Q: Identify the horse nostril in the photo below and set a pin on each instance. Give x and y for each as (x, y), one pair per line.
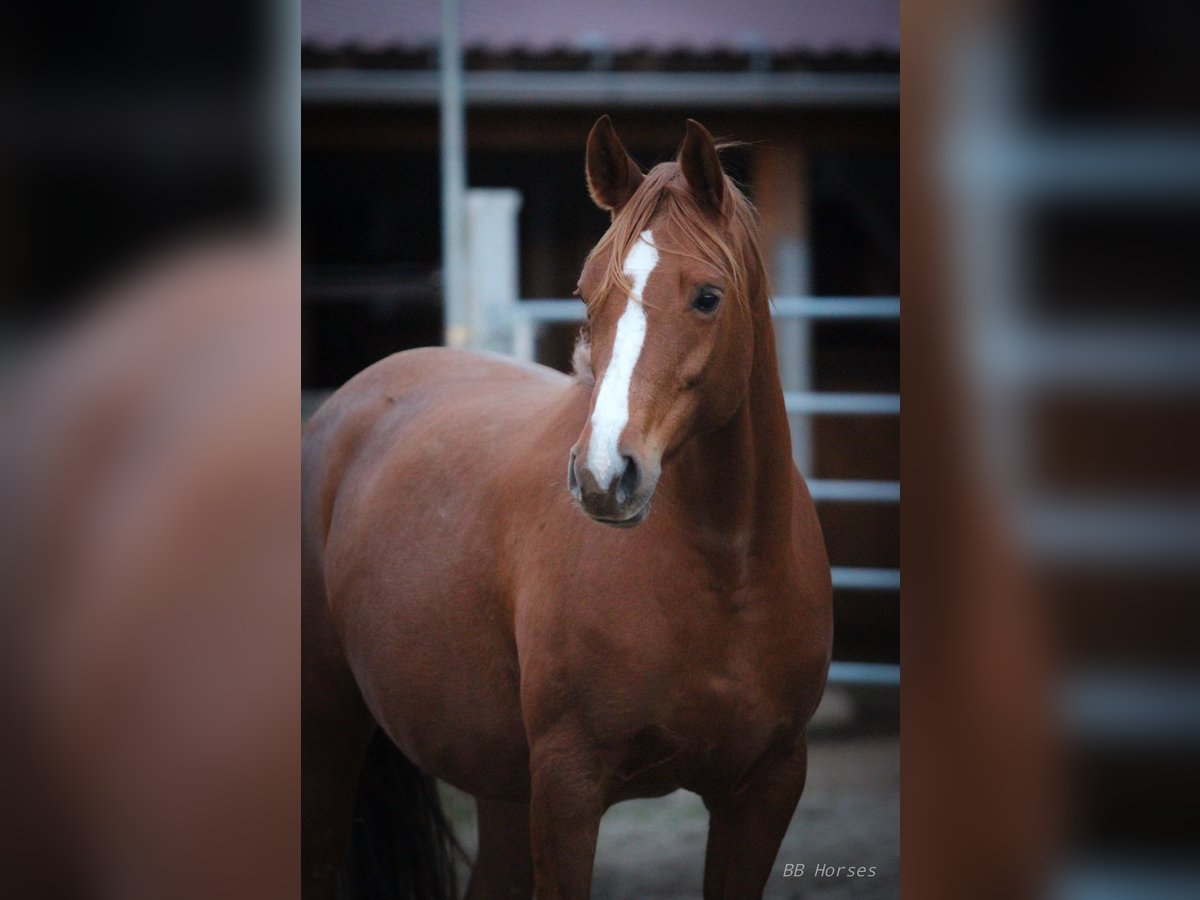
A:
(572, 481)
(628, 484)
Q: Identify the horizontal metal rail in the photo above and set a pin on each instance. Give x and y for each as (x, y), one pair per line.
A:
(1031, 355)
(865, 579)
(828, 403)
(836, 307)
(743, 90)
(1129, 707)
(1113, 533)
(837, 491)
(571, 310)
(848, 308)
(1065, 164)
(862, 674)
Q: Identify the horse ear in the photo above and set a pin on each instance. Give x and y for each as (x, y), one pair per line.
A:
(612, 176)
(702, 167)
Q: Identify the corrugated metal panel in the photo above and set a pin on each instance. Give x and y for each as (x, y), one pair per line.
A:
(825, 26)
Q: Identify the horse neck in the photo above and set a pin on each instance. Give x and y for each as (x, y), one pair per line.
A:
(735, 483)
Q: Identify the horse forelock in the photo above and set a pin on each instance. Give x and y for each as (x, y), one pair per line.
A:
(684, 229)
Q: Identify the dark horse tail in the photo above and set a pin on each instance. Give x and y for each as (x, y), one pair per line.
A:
(401, 846)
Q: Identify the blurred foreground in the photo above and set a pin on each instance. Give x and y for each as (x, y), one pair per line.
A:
(1051, 377)
(150, 635)
(149, 360)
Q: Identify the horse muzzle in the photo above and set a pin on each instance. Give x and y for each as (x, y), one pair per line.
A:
(625, 501)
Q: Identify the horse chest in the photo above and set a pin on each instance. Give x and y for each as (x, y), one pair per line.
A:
(681, 687)
(711, 744)
(707, 729)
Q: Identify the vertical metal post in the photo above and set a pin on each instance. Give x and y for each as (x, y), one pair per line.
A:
(454, 179)
(781, 173)
(493, 259)
(286, 102)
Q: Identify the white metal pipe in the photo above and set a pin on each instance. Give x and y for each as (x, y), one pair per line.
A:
(848, 308)
(288, 90)
(864, 674)
(836, 307)
(524, 339)
(493, 280)
(550, 310)
(828, 403)
(832, 490)
(454, 178)
(865, 579)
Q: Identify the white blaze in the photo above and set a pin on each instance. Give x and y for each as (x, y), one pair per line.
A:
(612, 400)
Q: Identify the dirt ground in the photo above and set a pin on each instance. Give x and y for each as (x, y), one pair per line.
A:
(849, 816)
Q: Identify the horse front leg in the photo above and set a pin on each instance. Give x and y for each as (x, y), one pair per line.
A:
(566, 804)
(504, 869)
(746, 829)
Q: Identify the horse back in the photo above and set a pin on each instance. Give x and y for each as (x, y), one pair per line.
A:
(438, 396)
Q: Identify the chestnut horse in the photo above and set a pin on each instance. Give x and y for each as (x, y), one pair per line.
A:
(475, 585)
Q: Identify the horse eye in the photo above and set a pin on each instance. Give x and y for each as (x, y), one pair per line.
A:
(706, 301)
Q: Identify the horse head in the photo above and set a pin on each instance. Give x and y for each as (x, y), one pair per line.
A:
(670, 291)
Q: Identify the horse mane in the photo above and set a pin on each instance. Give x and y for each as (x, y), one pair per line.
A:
(665, 193)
